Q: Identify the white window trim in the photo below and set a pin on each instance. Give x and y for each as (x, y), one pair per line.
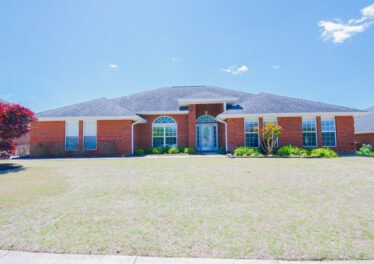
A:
(258, 134)
(90, 121)
(66, 122)
(316, 133)
(336, 143)
(165, 125)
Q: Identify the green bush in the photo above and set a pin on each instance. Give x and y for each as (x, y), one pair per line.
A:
(221, 151)
(324, 153)
(156, 151)
(165, 150)
(189, 150)
(149, 150)
(181, 150)
(245, 151)
(140, 152)
(173, 151)
(372, 154)
(366, 149)
(289, 150)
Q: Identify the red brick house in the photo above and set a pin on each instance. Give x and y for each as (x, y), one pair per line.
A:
(201, 117)
(364, 128)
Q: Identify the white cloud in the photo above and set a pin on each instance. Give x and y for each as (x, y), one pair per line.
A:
(235, 70)
(338, 31)
(114, 66)
(174, 59)
(275, 67)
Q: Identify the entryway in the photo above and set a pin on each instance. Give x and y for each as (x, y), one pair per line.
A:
(206, 137)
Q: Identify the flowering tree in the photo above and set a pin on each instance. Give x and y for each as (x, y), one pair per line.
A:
(14, 122)
(271, 132)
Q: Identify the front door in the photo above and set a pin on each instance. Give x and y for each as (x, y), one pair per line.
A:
(206, 137)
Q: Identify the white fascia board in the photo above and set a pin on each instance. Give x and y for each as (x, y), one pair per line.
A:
(184, 102)
(68, 118)
(356, 114)
(163, 113)
(366, 132)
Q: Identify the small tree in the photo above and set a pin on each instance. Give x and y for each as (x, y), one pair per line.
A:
(270, 133)
(14, 122)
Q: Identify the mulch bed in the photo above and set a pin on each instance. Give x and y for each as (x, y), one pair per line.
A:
(4, 167)
(273, 157)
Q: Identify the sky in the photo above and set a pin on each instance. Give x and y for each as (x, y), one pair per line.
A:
(57, 53)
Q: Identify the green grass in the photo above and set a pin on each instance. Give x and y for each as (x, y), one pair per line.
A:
(192, 207)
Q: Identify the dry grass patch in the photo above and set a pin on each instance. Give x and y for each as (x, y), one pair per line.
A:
(192, 207)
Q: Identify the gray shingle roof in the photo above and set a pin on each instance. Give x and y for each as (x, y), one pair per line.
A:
(165, 98)
(98, 107)
(365, 123)
(270, 103)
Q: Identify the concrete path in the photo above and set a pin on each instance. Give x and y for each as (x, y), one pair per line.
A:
(17, 257)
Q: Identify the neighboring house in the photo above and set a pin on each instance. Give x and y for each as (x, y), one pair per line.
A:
(364, 128)
(201, 117)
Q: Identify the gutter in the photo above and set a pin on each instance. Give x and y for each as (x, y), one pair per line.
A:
(140, 120)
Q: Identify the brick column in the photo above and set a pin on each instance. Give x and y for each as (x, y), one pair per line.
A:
(260, 126)
(81, 133)
(192, 126)
(319, 131)
(235, 133)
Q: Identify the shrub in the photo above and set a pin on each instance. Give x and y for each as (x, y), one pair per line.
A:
(189, 150)
(156, 151)
(245, 151)
(366, 149)
(165, 150)
(149, 150)
(140, 152)
(289, 150)
(173, 151)
(324, 153)
(181, 150)
(221, 151)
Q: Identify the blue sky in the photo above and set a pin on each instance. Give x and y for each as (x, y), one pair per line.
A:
(56, 53)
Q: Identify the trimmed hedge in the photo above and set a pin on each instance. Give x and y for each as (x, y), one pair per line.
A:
(245, 151)
(140, 152)
(166, 150)
(289, 150)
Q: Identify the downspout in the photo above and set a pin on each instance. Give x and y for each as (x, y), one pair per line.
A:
(218, 119)
(132, 134)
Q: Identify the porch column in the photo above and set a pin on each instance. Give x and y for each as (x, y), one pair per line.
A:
(192, 125)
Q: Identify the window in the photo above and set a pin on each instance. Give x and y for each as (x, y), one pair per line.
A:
(251, 134)
(274, 121)
(328, 132)
(205, 118)
(309, 132)
(183, 108)
(89, 135)
(164, 132)
(71, 135)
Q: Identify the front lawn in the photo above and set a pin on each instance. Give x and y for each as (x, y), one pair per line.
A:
(192, 207)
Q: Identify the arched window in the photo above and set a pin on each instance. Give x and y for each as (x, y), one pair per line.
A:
(205, 118)
(164, 132)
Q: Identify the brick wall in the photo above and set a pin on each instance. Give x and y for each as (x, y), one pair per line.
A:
(143, 132)
(345, 134)
(235, 133)
(113, 139)
(365, 138)
(48, 138)
(292, 132)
